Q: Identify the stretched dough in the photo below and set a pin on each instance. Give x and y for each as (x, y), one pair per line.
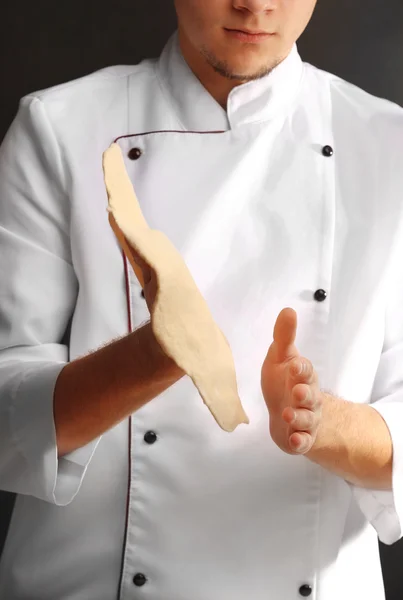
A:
(180, 318)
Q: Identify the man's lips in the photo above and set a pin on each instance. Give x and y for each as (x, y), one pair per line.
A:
(245, 35)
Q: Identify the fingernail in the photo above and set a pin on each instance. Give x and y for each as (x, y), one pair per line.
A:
(299, 447)
(296, 447)
(299, 368)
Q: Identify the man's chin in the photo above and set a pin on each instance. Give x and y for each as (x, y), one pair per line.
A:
(242, 70)
(244, 74)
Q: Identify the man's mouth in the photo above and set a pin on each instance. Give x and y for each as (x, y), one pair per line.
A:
(249, 36)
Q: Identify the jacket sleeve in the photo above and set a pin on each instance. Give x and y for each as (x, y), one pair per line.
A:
(38, 290)
(384, 509)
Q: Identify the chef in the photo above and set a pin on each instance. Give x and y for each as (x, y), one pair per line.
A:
(281, 186)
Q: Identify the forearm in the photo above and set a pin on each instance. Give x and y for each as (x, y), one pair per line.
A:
(98, 391)
(354, 442)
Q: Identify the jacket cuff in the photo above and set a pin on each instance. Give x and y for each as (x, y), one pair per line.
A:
(383, 508)
(33, 430)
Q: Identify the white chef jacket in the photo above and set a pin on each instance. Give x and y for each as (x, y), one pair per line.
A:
(264, 218)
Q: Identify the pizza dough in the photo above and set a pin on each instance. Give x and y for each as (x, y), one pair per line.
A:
(180, 318)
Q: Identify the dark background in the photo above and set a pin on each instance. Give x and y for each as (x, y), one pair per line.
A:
(44, 43)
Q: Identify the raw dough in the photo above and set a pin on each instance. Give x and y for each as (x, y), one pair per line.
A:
(180, 318)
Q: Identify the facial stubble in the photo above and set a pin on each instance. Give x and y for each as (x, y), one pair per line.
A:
(223, 68)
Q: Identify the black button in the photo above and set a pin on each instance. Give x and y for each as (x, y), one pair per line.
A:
(142, 294)
(134, 153)
(139, 579)
(150, 437)
(320, 295)
(327, 151)
(305, 590)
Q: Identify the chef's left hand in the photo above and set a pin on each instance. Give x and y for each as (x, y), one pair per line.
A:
(293, 399)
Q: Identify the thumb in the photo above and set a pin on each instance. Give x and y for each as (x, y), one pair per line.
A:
(284, 334)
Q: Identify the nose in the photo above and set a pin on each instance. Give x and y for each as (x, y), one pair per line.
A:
(255, 6)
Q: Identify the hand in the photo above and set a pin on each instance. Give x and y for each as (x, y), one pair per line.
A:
(293, 398)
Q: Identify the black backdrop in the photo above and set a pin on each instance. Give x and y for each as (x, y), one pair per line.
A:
(44, 43)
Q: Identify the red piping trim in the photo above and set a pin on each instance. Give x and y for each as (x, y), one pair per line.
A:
(129, 325)
(122, 137)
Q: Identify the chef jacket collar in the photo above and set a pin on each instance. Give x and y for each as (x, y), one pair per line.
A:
(251, 102)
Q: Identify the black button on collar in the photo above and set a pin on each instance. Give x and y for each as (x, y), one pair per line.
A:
(327, 151)
(320, 295)
(150, 437)
(305, 590)
(134, 153)
(139, 579)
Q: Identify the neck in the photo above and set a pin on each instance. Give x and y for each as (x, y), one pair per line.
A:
(219, 87)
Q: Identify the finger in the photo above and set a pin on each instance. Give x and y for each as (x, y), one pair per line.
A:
(300, 419)
(311, 400)
(300, 442)
(301, 371)
(284, 335)
(305, 396)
